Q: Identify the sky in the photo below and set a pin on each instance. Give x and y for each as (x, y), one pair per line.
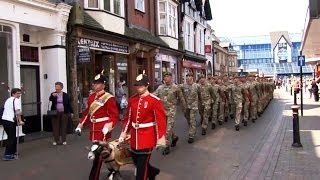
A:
(234, 18)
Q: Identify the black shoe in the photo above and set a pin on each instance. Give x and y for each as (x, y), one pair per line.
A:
(237, 127)
(190, 140)
(155, 172)
(245, 123)
(254, 120)
(203, 132)
(226, 119)
(174, 141)
(232, 116)
(220, 122)
(259, 114)
(166, 151)
(213, 126)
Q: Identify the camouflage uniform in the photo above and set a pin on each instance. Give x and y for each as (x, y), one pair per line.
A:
(190, 93)
(215, 103)
(254, 101)
(222, 103)
(238, 100)
(169, 95)
(246, 104)
(232, 101)
(205, 101)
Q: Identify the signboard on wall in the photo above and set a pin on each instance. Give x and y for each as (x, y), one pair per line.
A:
(103, 46)
(282, 51)
(84, 55)
(207, 49)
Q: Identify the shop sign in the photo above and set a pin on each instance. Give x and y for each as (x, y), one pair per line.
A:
(207, 48)
(84, 55)
(103, 46)
(282, 51)
(192, 64)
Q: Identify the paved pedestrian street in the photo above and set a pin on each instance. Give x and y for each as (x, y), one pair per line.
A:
(262, 150)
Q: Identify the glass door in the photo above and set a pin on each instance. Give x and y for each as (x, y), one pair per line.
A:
(30, 98)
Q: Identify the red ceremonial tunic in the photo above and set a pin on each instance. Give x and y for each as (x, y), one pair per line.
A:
(108, 110)
(142, 110)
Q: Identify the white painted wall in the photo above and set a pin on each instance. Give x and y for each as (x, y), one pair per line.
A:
(172, 42)
(109, 22)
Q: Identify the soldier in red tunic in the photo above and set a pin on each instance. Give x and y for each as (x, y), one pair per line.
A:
(102, 112)
(145, 121)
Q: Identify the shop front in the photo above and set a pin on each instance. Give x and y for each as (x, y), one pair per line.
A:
(165, 63)
(96, 55)
(196, 68)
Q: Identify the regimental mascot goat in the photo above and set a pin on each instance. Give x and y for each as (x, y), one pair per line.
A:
(113, 154)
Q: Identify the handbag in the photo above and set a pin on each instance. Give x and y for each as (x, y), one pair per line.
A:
(123, 103)
(51, 112)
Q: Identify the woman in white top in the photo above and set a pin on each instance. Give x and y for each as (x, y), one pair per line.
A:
(12, 108)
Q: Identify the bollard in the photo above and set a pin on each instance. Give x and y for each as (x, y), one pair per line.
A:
(296, 131)
(294, 98)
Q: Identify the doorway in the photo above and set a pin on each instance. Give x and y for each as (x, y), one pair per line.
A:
(30, 99)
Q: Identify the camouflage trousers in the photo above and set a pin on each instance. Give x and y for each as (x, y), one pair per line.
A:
(238, 113)
(260, 104)
(246, 106)
(204, 111)
(253, 108)
(171, 119)
(221, 111)
(214, 112)
(232, 108)
(190, 115)
(226, 109)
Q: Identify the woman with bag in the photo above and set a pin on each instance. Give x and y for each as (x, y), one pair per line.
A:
(60, 111)
(121, 99)
(10, 118)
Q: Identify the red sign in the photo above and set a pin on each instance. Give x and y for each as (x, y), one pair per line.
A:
(207, 48)
(192, 64)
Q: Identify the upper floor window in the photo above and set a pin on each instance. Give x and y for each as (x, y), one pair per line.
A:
(93, 3)
(139, 5)
(200, 41)
(188, 36)
(168, 19)
(112, 6)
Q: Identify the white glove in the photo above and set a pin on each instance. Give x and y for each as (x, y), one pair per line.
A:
(121, 139)
(78, 130)
(105, 130)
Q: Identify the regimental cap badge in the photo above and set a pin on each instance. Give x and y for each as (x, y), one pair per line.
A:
(142, 80)
(100, 78)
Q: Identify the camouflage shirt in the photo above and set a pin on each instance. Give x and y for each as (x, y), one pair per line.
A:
(190, 93)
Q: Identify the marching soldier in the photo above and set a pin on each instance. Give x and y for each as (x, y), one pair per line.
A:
(190, 92)
(246, 98)
(238, 100)
(254, 100)
(223, 100)
(102, 114)
(170, 95)
(205, 101)
(145, 120)
(102, 111)
(215, 103)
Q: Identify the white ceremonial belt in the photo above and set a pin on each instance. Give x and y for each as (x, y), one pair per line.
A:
(143, 125)
(100, 119)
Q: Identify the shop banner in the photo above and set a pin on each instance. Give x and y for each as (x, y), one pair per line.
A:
(103, 46)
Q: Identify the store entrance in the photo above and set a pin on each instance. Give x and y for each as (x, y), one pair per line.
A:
(30, 98)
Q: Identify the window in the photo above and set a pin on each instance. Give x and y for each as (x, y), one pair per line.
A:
(168, 19)
(200, 41)
(107, 5)
(188, 36)
(139, 5)
(93, 4)
(117, 7)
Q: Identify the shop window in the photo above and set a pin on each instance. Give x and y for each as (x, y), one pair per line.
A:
(29, 54)
(166, 66)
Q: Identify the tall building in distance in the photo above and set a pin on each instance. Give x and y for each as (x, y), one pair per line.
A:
(275, 54)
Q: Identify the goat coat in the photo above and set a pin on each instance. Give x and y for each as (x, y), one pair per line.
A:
(107, 109)
(143, 110)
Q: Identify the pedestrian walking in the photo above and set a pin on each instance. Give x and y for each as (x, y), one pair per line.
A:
(145, 122)
(120, 96)
(62, 105)
(10, 118)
